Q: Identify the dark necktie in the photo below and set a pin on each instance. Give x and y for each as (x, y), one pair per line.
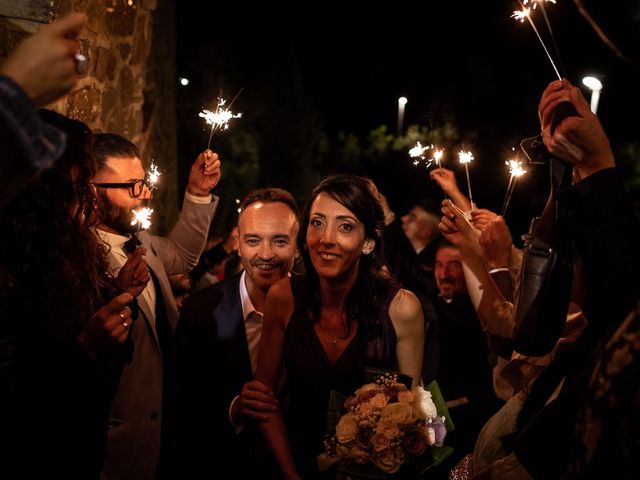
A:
(131, 244)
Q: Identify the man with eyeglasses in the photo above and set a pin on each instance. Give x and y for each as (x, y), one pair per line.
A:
(136, 420)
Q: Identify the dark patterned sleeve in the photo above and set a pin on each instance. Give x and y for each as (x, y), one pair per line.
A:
(27, 144)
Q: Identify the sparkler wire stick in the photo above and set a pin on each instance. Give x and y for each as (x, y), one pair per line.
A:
(466, 168)
(525, 13)
(507, 199)
(553, 38)
(465, 158)
(516, 170)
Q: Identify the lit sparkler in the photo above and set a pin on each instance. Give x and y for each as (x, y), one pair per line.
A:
(219, 120)
(419, 153)
(437, 156)
(142, 217)
(153, 176)
(466, 158)
(516, 171)
(520, 15)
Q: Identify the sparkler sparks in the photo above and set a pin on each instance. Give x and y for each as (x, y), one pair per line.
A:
(516, 171)
(153, 176)
(418, 152)
(219, 120)
(141, 218)
(520, 15)
(534, 3)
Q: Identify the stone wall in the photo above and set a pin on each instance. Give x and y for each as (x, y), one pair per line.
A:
(129, 84)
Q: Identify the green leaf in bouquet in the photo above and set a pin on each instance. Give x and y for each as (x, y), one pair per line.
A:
(334, 411)
(432, 457)
(371, 374)
(441, 405)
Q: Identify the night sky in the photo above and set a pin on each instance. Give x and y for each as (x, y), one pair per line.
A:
(314, 72)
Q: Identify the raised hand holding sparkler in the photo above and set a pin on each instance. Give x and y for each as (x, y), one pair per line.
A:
(516, 171)
(205, 174)
(446, 179)
(134, 276)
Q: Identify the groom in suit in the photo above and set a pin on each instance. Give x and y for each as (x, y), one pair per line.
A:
(218, 406)
(136, 420)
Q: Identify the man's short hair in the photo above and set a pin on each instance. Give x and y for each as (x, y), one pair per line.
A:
(270, 195)
(432, 209)
(104, 145)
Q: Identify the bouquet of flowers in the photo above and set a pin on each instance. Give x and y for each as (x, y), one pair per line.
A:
(386, 426)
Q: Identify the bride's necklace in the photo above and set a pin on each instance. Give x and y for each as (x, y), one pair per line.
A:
(333, 338)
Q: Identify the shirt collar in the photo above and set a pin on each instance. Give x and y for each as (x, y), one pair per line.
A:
(114, 240)
(245, 300)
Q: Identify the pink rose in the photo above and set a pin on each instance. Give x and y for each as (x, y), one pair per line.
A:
(359, 454)
(389, 460)
(366, 396)
(379, 442)
(398, 413)
(393, 390)
(366, 388)
(347, 428)
(388, 429)
(415, 441)
(379, 400)
(365, 409)
(405, 396)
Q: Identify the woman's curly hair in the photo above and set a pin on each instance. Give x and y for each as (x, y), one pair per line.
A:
(52, 267)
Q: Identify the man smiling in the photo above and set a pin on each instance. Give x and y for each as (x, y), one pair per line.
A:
(217, 339)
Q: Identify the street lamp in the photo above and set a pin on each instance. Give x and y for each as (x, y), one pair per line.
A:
(595, 85)
(402, 101)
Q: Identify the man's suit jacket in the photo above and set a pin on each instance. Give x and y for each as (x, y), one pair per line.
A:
(212, 363)
(133, 447)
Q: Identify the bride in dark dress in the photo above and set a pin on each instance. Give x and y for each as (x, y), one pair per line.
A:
(326, 326)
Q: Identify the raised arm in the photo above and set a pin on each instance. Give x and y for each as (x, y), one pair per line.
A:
(494, 311)
(578, 139)
(447, 181)
(406, 315)
(277, 312)
(180, 251)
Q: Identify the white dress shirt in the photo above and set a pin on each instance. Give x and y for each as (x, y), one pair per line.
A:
(252, 323)
(116, 243)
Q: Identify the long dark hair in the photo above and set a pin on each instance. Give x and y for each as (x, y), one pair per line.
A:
(363, 302)
(52, 267)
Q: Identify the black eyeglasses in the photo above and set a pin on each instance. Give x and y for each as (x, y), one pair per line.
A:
(136, 187)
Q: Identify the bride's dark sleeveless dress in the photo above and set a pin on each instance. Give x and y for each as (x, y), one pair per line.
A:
(312, 377)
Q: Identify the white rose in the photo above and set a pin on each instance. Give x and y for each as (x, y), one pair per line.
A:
(423, 403)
